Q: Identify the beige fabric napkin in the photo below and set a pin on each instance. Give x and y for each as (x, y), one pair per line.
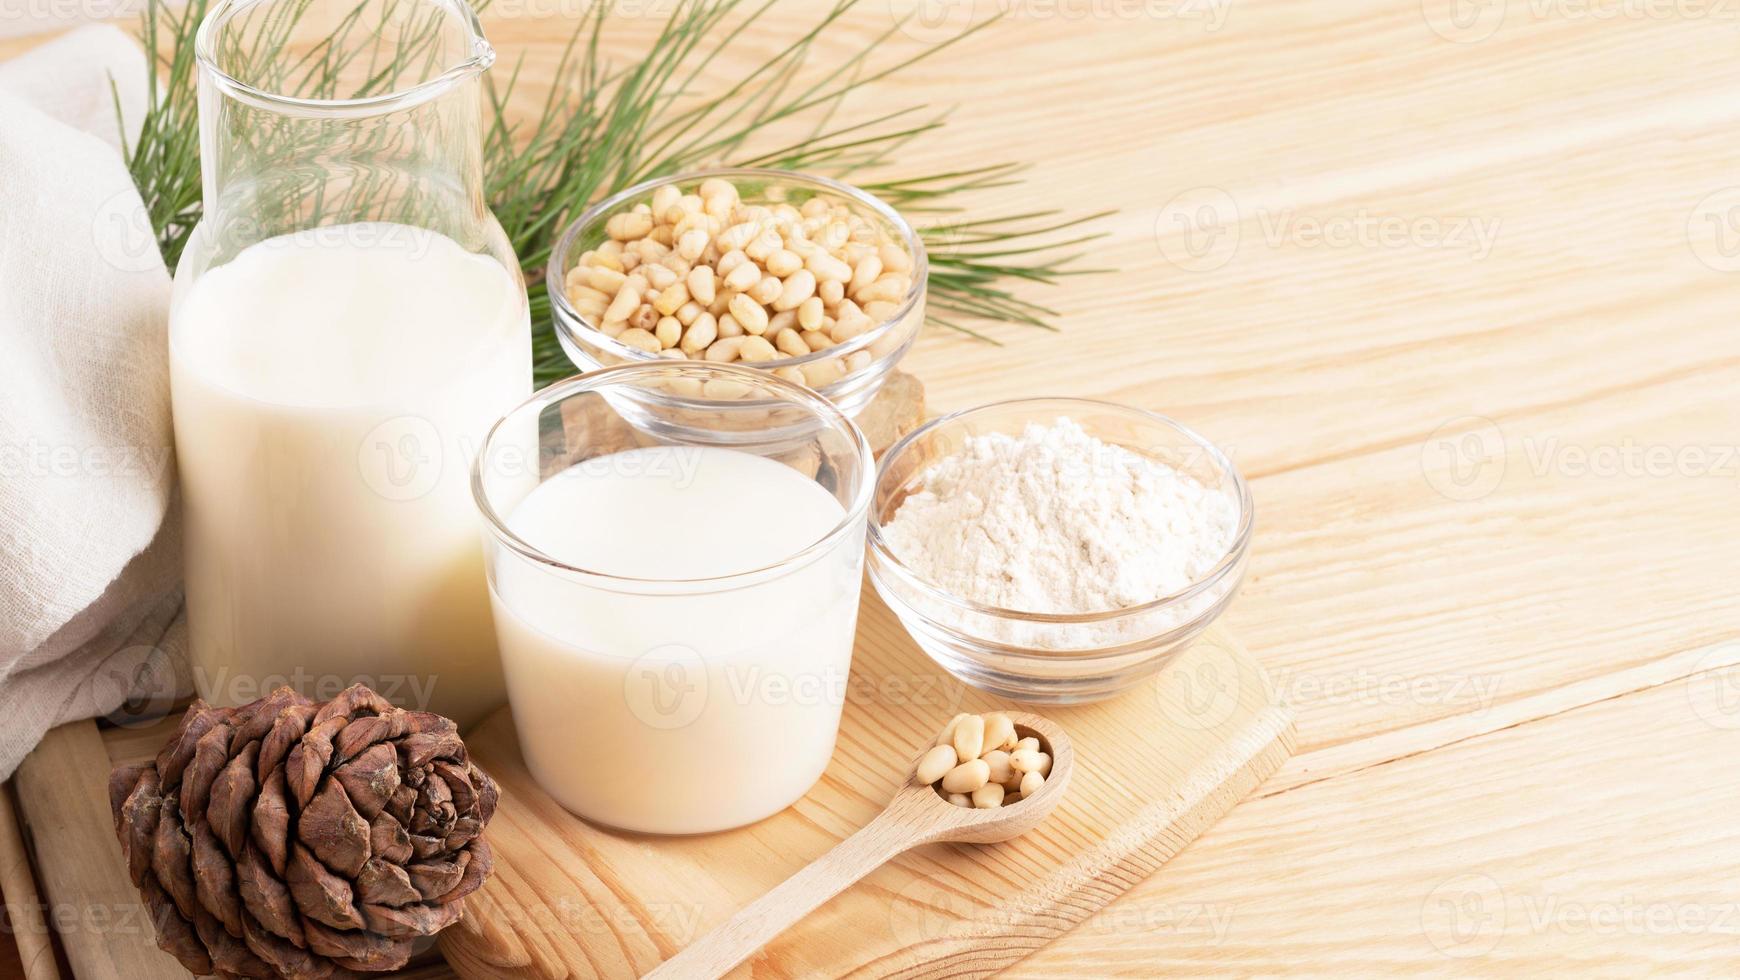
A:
(89, 563)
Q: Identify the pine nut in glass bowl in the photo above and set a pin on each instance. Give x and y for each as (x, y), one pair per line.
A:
(1050, 657)
(806, 277)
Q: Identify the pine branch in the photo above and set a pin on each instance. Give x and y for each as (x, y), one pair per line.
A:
(603, 127)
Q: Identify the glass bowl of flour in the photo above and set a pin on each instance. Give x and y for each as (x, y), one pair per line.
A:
(1057, 550)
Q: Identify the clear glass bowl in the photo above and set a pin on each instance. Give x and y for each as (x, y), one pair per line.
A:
(886, 342)
(1044, 658)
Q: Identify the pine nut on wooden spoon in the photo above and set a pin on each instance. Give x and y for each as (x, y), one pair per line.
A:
(917, 815)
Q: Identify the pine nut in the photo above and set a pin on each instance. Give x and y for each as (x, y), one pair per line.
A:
(640, 339)
(810, 313)
(865, 273)
(673, 297)
(744, 276)
(691, 244)
(756, 350)
(798, 288)
(966, 777)
(713, 267)
(988, 796)
(827, 267)
(586, 295)
(1027, 760)
(824, 373)
(767, 290)
(847, 328)
(1029, 743)
(623, 305)
(725, 351)
(783, 262)
(739, 235)
(999, 731)
(947, 735)
(884, 290)
(700, 284)
(961, 800)
(748, 312)
(894, 258)
(629, 226)
(881, 311)
(1001, 771)
(702, 332)
(1031, 783)
(729, 262)
(935, 764)
(969, 737)
(790, 343)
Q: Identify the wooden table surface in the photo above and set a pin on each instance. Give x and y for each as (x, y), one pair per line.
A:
(1456, 285)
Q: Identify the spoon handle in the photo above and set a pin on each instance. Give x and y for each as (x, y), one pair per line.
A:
(756, 925)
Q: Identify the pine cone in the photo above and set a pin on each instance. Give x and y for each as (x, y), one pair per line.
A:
(291, 839)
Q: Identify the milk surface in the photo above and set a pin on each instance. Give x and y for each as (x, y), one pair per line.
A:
(665, 707)
(329, 390)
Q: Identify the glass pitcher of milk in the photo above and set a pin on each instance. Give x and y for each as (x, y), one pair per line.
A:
(348, 319)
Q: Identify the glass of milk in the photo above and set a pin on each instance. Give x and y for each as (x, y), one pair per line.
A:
(348, 319)
(675, 610)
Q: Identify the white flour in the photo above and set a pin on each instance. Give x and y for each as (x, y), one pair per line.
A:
(1057, 521)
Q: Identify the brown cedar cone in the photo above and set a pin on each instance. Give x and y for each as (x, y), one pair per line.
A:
(302, 840)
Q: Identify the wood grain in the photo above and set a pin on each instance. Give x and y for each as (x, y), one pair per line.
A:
(63, 789)
(27, 928)
(1155, 767)
(1495, 682)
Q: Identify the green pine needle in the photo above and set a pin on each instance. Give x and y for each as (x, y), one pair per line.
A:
(604, 127)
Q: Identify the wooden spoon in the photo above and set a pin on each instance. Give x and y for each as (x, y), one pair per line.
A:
(917, 815)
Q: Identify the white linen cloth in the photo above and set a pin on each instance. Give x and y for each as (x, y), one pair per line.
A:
(89, 554)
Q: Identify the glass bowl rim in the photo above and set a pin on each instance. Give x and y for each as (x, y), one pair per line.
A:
(1228, 562)
(555, 285)
(593, 381)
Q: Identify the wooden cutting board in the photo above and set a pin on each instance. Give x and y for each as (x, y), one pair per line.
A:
(1155, 768)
